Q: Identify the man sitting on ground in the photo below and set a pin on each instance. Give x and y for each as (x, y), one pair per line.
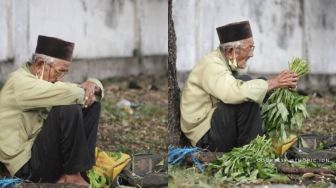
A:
(220, 109)
(49, 127)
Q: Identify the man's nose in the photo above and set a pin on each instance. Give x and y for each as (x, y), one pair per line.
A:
(251, 53)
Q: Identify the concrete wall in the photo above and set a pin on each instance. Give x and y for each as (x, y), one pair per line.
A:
(281, 29)
(108, 33)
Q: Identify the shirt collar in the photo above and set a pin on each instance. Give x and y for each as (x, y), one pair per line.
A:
(233, 67)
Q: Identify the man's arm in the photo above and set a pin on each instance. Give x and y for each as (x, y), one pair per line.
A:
(285, 79)
(94, 91)
(218, 81)
(34, 93)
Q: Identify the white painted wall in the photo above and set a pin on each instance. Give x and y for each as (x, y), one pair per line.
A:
(154, 27)
(281, 29)
(320, 31)
(99, 28)
(6, 50)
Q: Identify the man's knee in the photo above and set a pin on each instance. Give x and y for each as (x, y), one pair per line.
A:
(248, 105)
(92, 110)
(65, 111)
(263, 78)
(96, 106)
(223, 106)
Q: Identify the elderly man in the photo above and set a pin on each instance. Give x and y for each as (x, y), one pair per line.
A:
(48, 127)
(220, 109)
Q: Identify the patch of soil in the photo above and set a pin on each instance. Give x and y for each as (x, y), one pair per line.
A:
(322, 112)
(134, 120)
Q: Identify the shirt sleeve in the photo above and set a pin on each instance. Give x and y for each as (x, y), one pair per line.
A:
(219, 82)
(100, 85)
(33, 93)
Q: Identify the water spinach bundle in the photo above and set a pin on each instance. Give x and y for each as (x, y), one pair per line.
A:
(285, 109)
(245, 164)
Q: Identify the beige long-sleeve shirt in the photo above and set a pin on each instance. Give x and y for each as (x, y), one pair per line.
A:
(209, 82)
(24, 104)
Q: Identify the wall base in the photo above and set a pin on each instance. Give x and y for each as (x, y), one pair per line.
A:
(105, 67)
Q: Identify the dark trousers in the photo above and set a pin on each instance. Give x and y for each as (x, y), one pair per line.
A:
(65, 145)
(232, 125)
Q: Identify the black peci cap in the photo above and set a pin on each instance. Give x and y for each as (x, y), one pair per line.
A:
(54, 47)
(234, 32)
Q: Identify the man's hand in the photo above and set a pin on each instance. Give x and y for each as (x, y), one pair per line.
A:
(286, 79)
(90, 89)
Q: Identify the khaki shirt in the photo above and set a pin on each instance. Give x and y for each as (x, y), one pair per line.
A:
(24, 104)
(209, 82)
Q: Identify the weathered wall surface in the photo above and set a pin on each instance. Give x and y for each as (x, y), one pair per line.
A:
(108, 34)
(281, 29)
(320, 35)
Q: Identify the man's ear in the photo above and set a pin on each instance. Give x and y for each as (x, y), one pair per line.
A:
(229, 53)
(38, 64)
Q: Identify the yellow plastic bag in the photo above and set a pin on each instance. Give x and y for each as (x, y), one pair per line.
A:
(110, 164)
(283, 146)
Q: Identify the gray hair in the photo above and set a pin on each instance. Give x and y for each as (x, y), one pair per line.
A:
(47, 59)
(234, 45)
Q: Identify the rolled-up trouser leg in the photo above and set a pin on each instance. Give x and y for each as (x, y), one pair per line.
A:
(65, 144)
(232, 126)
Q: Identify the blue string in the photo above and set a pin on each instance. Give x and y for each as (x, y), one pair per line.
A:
(176, 155)
(5, 182)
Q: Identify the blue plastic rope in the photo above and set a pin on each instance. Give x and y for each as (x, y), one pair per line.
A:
(176, 155)
(9, 182)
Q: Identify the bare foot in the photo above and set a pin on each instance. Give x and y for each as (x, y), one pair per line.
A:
(61, 179)
(73, 178)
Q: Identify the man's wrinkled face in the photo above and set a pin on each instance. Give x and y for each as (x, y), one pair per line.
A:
(53, 72)
(244, 52)
(58, 70)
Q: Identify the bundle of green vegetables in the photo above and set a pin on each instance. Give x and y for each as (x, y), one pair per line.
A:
(247, 163)
(285, 109)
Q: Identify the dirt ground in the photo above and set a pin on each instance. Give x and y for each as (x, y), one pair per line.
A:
(134, 115)
(322, 111)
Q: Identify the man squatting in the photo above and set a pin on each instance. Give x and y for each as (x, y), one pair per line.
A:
(219, 108)
(49, 127)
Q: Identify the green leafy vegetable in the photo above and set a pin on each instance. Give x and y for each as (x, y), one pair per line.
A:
(247, 163)
(285, 110)
(97, 180)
